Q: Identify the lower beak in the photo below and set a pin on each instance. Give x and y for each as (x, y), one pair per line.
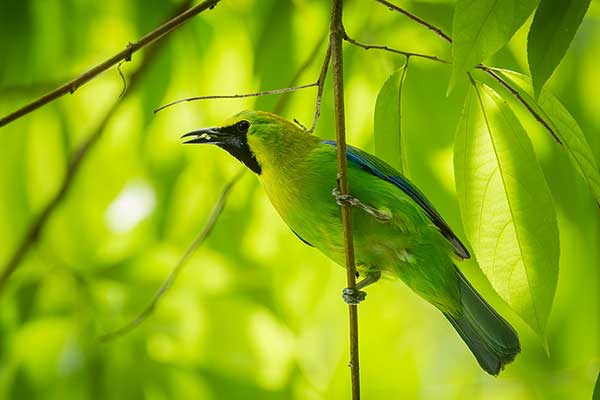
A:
(204, 136)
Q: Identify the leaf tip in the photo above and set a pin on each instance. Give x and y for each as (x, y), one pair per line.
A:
(545, 344)
(451, 84)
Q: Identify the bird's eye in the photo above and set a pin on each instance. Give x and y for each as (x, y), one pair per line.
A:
(243, 126)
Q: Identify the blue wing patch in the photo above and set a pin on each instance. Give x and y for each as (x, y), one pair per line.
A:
(301, 238)
(386, 172)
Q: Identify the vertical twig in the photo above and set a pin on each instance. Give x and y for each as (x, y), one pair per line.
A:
(336, 37)
(321, 86)
(283, 100)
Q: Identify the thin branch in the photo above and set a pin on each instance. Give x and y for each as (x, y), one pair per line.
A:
(124, 54)
(336, 37)
(392, 50)
(520, 98)
(221, 202)
(238, 96)
(483, 67)
(280, 105)
(206, 231)
(32, 234)
(320, 86)
(417, 19)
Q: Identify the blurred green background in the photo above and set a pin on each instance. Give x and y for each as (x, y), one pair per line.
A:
(256, 313)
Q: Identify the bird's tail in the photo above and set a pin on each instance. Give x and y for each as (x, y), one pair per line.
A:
(491, 339)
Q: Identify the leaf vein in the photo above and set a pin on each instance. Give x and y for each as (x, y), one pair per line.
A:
(510, 205)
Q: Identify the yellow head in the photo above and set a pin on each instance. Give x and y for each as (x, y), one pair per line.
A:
(258, 139)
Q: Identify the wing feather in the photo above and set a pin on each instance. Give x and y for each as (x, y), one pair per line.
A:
(386, 172)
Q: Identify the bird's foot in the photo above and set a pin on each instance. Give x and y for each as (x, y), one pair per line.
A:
(343, 199)
(349, 200)
(353, 296)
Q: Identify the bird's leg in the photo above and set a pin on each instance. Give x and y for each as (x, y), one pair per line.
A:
(346, 199)
(354, 295)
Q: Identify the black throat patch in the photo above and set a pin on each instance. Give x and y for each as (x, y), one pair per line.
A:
(237, 146)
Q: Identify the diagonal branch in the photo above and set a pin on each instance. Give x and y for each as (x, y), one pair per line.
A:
(28, 89)
(320, 87)
(218, 208)
(417, 19)
(237, 96)
(35, 229)
(407, 54)
(319, 83)
(124, 54)
(337, 63)
(206, 231)
(514, 92)
(483, 67)
(282, 103)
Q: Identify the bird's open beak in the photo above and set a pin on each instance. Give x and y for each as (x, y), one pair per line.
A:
(206, 136)
(229, 138)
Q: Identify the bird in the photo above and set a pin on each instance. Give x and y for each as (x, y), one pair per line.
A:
(397, 232)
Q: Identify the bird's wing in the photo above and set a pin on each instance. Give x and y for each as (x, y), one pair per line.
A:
(386, 172)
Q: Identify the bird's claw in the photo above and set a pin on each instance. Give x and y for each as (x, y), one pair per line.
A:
(349, 200)
(353, 296)
(343, 199)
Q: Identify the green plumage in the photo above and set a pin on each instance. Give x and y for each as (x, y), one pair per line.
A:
(298, 172)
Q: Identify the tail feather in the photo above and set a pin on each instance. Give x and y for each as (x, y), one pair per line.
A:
(491, 339)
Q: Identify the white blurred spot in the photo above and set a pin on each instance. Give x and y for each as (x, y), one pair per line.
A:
(135, 202)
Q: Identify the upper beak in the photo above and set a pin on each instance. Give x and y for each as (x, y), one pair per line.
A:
(205, 136)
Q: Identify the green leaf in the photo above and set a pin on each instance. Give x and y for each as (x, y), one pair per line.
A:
(506, 206)
(564, 126)
(482, 27)
(389, 141)
(551, 33)
(596, 394)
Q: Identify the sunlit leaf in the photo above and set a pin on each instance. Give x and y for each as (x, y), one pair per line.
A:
(389, 141)
(565, 127)
(506, 206)
(482, 27)
(551, 33)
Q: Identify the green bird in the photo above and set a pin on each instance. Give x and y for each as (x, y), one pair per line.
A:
(396, 230)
